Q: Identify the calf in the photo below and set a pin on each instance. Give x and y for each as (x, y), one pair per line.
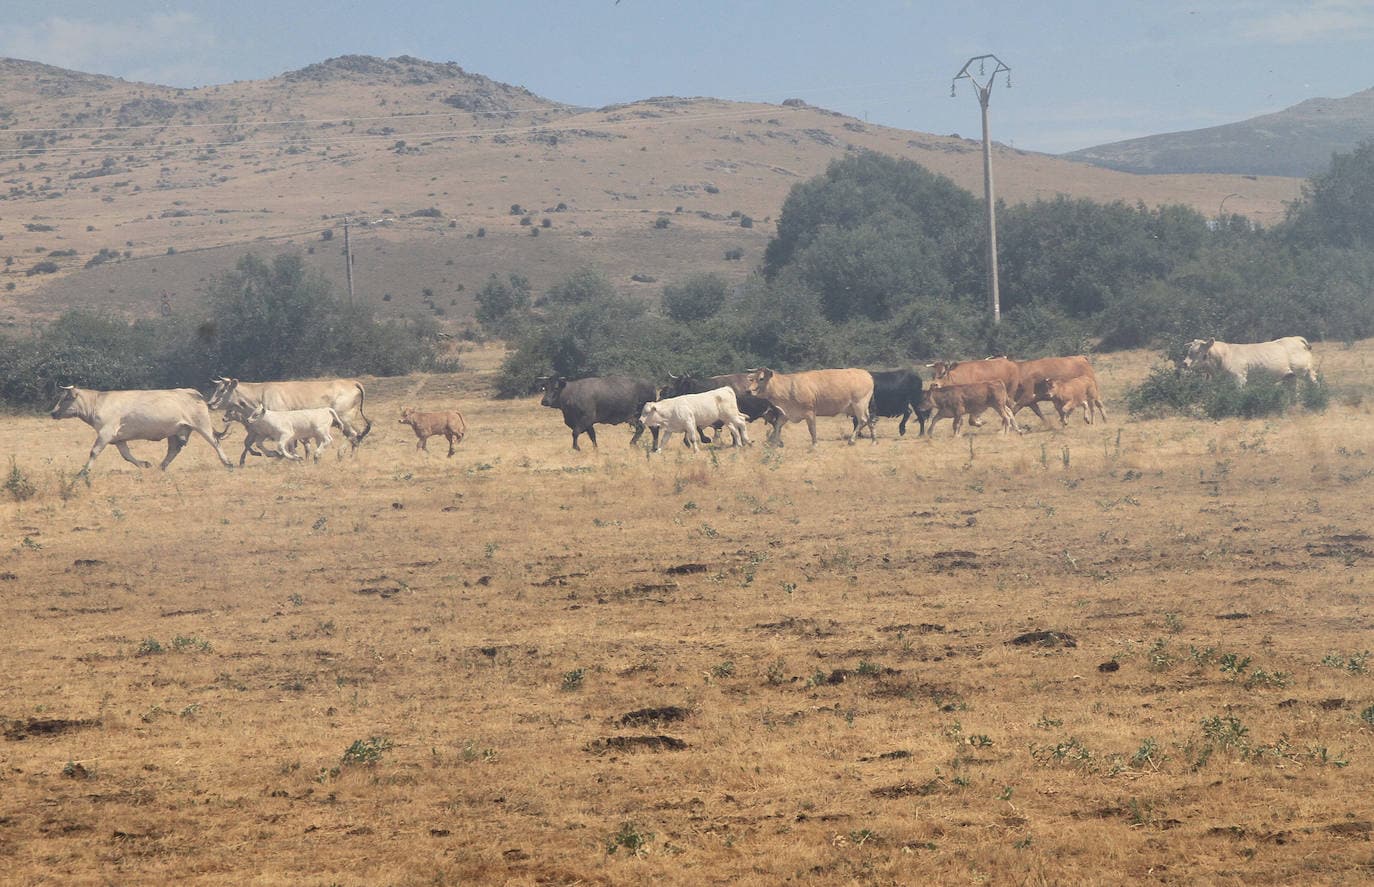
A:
(958, 401)
(1068, 394)
(688, 413)
(449, 423)
(750, 406)
(286, 428)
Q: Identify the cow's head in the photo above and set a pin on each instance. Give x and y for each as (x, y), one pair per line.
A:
(678, 385)
(940, 368)
(553, 390)
(406, 414)
(68, 405)
(224, 390)
(927, 402)
(1199, 350)
(758, 381)
(651, 415)
(1046, 388)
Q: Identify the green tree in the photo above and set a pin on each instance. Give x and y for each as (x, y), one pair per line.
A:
(696, 298)
(502, 303)
(1337, 205)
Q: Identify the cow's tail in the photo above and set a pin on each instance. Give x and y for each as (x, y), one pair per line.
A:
(1305, 343)
(367, 423)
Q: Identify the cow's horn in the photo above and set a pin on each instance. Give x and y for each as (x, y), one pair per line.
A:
(68, 387)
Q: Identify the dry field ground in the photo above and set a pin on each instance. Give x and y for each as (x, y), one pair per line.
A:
(404, 669)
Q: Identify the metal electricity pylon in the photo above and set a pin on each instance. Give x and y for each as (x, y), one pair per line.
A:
(984, 91)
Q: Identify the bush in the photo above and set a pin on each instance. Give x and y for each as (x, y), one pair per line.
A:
(1167, 391)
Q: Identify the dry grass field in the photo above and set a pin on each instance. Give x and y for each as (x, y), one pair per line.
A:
(404, 669)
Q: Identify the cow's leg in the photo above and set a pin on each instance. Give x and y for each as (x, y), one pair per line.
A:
(287, 447)
(959, 422)
(638, 426)
(901, 426)
(690, 435)
(321, 442)
(423, 442)
(811, 426)
(1102, 413)
(174, 445)
(123, 448)
(452, 441)
(100, 444)
(591, 434)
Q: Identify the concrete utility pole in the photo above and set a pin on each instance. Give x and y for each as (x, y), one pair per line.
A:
(348, 262)
(984, 91)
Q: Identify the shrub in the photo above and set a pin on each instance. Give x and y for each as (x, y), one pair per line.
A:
(1169, 391)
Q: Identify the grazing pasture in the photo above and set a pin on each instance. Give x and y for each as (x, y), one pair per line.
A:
(1132, 651)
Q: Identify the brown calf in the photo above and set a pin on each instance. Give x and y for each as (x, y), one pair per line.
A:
(449, 423)
(1068, 394)
(958, 401)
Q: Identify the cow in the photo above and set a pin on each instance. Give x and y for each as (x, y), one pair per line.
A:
(688, 413)
(1032, 372)
(1067, 395)
(121, 416)
(286, 428)
(751, 406)
(969, 399)
(804, 396)
(344, 396)
(1286, 357)
(599, 400)
(449, 423)
(898, 393)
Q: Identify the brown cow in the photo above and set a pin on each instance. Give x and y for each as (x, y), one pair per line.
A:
(804, 396)
(958, 401)
(1067, 395)
(449, 423)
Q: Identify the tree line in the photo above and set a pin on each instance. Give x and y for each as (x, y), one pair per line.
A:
(262, 320)
(880, 262)
(877, 261)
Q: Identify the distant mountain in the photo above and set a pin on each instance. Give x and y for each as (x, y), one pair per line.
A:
(114, 192)
(1296, 141)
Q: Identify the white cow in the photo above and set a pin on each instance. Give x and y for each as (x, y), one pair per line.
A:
(344, 396)
(1286, 357)
(121, 416)
(689, 412)
(286, 428)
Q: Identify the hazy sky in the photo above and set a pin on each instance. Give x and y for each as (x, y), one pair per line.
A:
(1082, 72)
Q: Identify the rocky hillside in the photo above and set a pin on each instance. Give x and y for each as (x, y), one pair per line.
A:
(112, 193)
(1296, 141)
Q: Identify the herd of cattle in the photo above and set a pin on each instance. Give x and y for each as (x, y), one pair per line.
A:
(303, 413)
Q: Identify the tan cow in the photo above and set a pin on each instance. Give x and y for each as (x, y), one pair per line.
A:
(343, 396)
(957, 401)
(122, 416)
(1068, 395)
(804, 396)
(449, 423)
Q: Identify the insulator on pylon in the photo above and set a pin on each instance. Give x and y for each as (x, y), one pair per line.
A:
(951, 90)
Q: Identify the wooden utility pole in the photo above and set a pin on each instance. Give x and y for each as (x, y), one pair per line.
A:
(984, 91)
(348, 262)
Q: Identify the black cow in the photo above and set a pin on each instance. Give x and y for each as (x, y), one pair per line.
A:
(604, 400)
(751, 405)
(897, 393)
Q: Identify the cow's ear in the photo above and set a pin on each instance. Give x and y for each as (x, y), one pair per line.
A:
(562, 383)
(766, 373)
(1211, 341)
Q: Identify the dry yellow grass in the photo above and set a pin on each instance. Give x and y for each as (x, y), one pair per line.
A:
(854, 711)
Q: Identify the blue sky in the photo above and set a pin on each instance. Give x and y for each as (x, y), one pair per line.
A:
(1083, 73)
